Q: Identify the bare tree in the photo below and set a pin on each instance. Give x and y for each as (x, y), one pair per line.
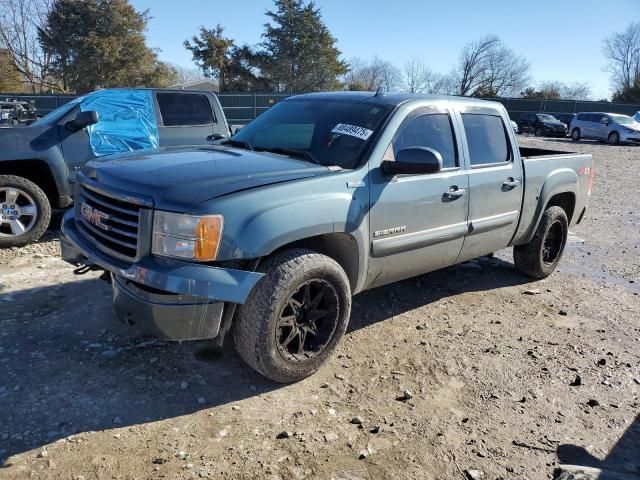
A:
(417, 76)
(622, 49)
(372, 74)
(186, 74)
(576, 91)
(487, 67)
(20, 21)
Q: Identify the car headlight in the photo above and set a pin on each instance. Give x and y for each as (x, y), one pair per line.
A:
(195, 237)
(629, 130)
(4, 116)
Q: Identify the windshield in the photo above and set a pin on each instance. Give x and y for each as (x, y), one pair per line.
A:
(55, 115)
(327, 132)
(622, 119)
(547, 118)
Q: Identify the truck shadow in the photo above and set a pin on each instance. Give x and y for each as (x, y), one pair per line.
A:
(68, 367)
(624, 457)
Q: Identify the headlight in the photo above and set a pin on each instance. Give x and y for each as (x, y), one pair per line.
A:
(629, 130)
(195, 237)
(4, 116)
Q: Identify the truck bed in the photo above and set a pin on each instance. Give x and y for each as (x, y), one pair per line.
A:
(545, 172)
(531, 152)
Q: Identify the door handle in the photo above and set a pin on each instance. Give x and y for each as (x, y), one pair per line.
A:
(454, 192)
(511, 183)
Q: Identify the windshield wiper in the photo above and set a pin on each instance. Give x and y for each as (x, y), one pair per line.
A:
(292, 152)
(237, 144)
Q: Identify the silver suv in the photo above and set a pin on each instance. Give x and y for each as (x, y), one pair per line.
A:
(610, 127)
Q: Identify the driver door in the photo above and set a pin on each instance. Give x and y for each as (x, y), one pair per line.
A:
(418, 222)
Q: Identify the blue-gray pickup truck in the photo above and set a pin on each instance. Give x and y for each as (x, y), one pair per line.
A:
(39, 162)
(269, 234)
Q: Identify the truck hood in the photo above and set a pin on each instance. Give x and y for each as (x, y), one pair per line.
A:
(23, 141)
(179, 178)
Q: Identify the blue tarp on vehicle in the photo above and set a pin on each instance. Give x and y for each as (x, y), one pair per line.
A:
(127, 121)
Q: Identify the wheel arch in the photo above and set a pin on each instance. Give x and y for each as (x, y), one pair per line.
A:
(37, 171)
(339, 246)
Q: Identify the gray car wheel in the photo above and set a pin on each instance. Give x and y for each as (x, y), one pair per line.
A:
(614, 138)
(575, 134)
(25, 211)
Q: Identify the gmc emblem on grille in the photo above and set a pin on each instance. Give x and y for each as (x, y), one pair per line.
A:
(94, 216)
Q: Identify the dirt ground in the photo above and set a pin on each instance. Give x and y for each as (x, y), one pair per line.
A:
(508, 377)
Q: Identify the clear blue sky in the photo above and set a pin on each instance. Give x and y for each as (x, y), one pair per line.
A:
(562, 39)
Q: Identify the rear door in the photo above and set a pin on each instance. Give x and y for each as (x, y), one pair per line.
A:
(495, 181)
(185, 118)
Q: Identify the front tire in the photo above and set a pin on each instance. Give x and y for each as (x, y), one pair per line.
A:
(295, 316)
(614, 138)
(538, 132)
(575, 134)
(25, 211)
(539, 257)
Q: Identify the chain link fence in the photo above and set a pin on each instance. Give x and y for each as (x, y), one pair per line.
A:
(240, 108)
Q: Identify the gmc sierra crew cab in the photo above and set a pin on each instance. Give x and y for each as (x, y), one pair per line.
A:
(39, 162)
(269, 234)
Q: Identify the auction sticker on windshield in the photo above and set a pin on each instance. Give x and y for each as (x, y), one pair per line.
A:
(352, 130)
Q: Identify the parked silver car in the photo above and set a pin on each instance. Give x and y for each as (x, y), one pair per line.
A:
(610, 127)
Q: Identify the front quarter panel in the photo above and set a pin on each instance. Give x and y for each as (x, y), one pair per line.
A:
(259, 221)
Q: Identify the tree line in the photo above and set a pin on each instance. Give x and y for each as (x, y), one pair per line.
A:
(78, 46)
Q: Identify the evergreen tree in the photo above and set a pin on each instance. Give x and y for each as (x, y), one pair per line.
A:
(298, 52)
(100, 43)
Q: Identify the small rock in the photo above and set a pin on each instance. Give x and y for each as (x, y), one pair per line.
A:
(159, 461)
(593, 402)
(116, 435)
(473, 474)
(577, 381)
(363, 454)
(375, 429)
(533, 291)
(406, 395)
(339, 376)
(357, 420)
(189, 466)
(637, 380)
(324, 385)
(602, 362)
(420, 327)
(563, 313)
(236, 408)
(42, 454)
(284, 434)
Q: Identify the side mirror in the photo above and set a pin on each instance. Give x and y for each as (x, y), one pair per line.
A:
(215, 136)
(82, 120)
(413, 161)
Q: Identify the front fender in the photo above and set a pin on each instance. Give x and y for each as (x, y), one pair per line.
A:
(259, 221)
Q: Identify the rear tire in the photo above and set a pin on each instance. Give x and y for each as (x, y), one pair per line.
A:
(614, 138)
(32, 205)
(295, 316)
(539, 257)
(575, 134)
(538, 132)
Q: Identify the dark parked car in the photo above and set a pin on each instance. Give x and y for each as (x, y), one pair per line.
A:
(18, 113)
(39, 162)
(565, 118)
(542, 124)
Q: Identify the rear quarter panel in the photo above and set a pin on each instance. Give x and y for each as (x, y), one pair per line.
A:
(546, 176)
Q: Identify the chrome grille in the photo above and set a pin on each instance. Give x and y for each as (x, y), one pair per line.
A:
(112, 223)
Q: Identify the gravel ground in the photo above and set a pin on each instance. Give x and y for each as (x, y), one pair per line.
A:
(507, 377)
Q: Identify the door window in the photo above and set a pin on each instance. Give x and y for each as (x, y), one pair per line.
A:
(183, 109)
(486, 138)
(432, 130)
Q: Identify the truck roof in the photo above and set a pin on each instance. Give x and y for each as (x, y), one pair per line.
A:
(393, 99)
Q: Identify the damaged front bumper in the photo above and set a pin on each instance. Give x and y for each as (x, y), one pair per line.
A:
(177, 300)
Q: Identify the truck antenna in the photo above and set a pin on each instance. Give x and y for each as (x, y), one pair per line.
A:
(380, 92)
